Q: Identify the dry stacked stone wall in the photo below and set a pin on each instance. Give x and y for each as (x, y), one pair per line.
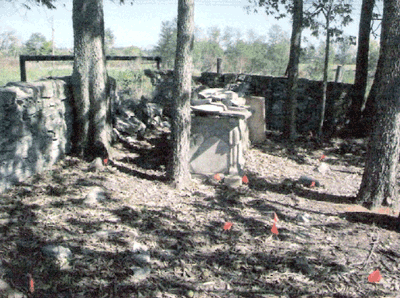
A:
(35, 127)
(274, 90)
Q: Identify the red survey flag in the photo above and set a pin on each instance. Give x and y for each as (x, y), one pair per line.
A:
(375, 276)
(274, 229)
(245, 180)
(217, 177)
(228, 226)
(31, 284)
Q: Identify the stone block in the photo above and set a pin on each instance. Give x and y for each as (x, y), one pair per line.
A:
(209, 156)
(256, 121)
(217, 144)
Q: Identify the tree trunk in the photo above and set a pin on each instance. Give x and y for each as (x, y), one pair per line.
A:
(361, 76)
(289, 130)
(325, 79)
(379, 186)
(182, 91)
(92, 104)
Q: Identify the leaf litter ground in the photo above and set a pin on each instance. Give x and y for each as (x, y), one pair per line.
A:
(146, 239)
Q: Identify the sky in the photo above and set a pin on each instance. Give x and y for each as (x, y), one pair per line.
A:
(139, 24)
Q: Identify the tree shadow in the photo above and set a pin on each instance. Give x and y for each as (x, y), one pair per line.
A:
(146, 159)
(383, 221)
(291, 186)
(348, 152)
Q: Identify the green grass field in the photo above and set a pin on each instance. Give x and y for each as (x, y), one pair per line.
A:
(129, 75)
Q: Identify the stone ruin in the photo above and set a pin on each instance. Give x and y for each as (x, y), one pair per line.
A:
(220, 130)
(36, 119)
(232, 110)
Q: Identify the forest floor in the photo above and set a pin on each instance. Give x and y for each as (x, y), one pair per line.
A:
(146, 239)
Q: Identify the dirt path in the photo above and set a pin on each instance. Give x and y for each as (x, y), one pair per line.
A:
(144, 239)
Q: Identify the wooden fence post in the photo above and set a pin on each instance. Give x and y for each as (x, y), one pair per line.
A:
(338, 76)
(22, 68)
(219, 69)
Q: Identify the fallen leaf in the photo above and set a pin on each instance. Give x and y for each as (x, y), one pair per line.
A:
(274, 229)
(275, 217)
(375, 276)
(228, 226)
(245, 180)
(217, 177)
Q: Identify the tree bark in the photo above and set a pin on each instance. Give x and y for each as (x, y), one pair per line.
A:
(379, 186)
(92, 133)
(181, 121)
(289, 130)
(361, 76)
(325, 78)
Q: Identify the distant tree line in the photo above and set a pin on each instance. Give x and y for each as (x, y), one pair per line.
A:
(241, 52)
(258, 54)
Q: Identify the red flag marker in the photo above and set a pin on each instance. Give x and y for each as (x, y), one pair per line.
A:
(274, 229)
(322, 157)
(31, 284)
(105, 161)
(217, 177)
(312, 184)
(245, 180)
(228, 226)
(275, 217)
(375, 276)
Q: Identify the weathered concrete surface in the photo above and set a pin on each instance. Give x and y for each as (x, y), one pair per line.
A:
(217, 145)
(256, 121)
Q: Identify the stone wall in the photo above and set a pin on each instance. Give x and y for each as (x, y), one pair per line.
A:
(35, 127)
(273, 89)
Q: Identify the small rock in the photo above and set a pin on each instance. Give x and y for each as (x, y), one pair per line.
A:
(288, 183)
(322, 168)
(95, 196)
(165, 124)
(60, 253)
(96, 165)
(303, 217)
(301, 264)
(4, 286)
(57, 251)
(104, 235)
(309, 181)
(138, 247)
(142, 258)
(139, 274)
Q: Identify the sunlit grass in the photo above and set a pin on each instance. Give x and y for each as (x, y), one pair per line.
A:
(128, 74)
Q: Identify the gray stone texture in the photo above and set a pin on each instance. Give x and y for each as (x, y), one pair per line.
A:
(256, 122)
(217, 145)
(35, 128)
(274, 90)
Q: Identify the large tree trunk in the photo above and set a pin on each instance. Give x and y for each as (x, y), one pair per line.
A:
(92, 104)
(379, 185)
(289, 130)
(361, 76)
(182, 91)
